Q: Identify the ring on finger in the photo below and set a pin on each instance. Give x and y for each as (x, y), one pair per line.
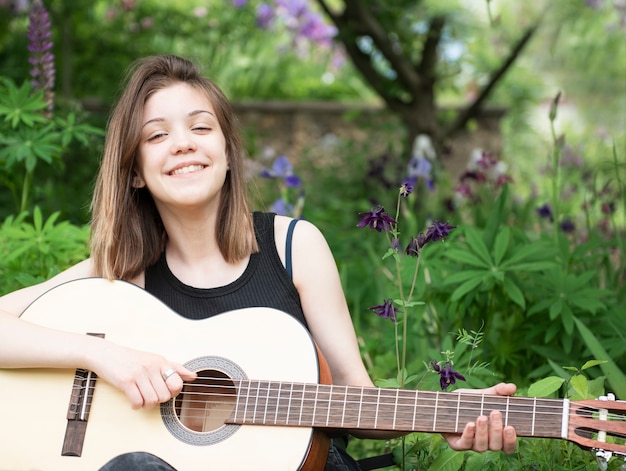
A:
(168, 373)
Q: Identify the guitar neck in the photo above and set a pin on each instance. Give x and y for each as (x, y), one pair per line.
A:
(351, 407)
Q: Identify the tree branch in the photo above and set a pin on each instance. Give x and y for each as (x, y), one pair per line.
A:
(472, 110)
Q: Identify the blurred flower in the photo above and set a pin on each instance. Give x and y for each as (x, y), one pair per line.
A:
(282, 208)
(385, 310)
(377, 218)
(282, 168)
(240, 3)
(406, 188)
(447, 375)
(438, 231)
(264, 16)
(39, 46)
(482, 169)
(567, 226)
(545, 212)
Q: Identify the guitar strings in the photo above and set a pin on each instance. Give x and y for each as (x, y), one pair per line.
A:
(350, 396)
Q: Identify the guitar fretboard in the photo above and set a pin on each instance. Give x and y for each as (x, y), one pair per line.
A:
(352, 407)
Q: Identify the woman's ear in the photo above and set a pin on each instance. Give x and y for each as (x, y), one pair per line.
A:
(138, 182)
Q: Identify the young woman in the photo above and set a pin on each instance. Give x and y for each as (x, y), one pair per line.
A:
(170, 215)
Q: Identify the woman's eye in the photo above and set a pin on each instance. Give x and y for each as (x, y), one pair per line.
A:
(156, 136)
(201, 128)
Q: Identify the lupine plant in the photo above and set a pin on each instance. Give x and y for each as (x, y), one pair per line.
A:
(29, 131)
(31, 134)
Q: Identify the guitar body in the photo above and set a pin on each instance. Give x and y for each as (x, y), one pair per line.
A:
(250, 343)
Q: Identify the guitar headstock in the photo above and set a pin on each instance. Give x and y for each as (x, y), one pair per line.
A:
(599, 424)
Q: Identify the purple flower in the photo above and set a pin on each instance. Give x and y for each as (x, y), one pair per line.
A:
(568, 226)
(437, 231)
(545, 212)
(415, 244)
(447, 375)
(282, 208)
(385, 310)
(406, 188)
(39, 46)
(240, 3)
(377, 219)
(264, 16)
(281, 168)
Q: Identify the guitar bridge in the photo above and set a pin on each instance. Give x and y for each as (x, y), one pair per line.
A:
(78, 410)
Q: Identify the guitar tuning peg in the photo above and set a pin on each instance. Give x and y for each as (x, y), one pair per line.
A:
(603, 457)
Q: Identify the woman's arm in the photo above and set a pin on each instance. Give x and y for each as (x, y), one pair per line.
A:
(27, 345)
(317, 279)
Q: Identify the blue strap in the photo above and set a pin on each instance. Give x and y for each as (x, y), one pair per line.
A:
(288, 262)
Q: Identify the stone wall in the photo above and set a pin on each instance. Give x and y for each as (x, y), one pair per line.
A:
(312, 130)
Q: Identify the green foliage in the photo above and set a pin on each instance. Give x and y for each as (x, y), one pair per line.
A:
(32, 251)
(28, 136)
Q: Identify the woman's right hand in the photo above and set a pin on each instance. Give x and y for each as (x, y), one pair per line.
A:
(146, 378)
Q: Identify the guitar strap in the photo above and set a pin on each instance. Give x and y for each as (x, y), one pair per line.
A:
(288, 262)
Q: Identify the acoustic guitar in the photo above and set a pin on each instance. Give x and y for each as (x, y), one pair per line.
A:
(260, 401)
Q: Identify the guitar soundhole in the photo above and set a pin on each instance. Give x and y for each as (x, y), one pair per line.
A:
(206, 403)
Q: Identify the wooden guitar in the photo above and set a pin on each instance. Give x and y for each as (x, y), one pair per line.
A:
(259, 401)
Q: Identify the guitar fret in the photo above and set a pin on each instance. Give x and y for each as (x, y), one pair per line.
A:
(506, 415)
(345, 401)
(458, 411)
(395, 409)
(302, 404)
(278, 396)
(267, 397)
(358, 420)
(377, 404)
(330, 395)
(532, 426)
(317, 389)
(414, 410)
(435, 414)
(289, 405)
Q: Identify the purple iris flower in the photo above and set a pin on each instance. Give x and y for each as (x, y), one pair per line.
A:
(385, 310)
(377, 219)
(447, 375)
(282, 168)
(282, 208)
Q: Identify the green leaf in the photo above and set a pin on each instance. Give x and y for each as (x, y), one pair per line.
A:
(591, 364)
(477, 245)
(502, 244)
(514, 292)
(578, 383)
(464, 275)
(615, 377)
(448, 460)
(466, 288)
(545, 387)
(466, 257)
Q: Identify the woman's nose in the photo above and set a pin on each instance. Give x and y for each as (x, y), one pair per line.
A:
(183, 143)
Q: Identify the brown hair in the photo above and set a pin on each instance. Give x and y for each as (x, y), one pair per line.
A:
(127, 234)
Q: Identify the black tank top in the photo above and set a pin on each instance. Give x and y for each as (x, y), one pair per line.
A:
(264, 283)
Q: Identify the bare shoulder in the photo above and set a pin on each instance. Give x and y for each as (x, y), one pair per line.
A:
(16, 302)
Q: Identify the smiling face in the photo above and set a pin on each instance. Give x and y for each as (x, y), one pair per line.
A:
(182, 153)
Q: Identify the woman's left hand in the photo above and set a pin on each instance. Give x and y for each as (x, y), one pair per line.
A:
(487, 433)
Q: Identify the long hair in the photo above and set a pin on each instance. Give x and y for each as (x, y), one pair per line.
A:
(127, 234)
